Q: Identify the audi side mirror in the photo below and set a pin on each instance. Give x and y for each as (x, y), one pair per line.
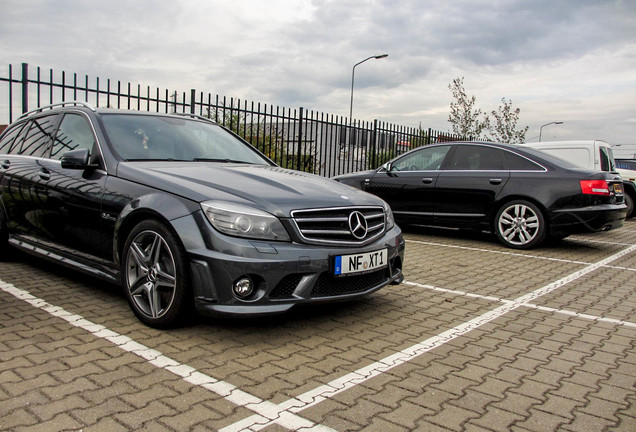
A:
(388, 167)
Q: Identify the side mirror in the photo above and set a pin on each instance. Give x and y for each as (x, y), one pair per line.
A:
(76, 159)
(388, 167)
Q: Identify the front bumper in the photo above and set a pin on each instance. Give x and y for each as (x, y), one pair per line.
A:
(587, 219)
(284, 274)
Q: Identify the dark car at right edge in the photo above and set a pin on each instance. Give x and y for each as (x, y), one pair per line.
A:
(523, 196)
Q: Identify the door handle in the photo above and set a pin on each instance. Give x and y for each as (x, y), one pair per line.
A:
(6, 164)
(427, 180)
(495, 181)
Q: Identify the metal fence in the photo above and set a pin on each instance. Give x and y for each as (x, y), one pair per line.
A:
(294, 138)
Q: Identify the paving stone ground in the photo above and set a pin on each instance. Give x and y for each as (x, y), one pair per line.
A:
(457, 347)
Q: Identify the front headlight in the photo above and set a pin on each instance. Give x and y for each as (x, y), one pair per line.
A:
(241, 221)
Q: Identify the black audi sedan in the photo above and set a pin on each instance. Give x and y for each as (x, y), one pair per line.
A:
(521, 195)
(184, 214)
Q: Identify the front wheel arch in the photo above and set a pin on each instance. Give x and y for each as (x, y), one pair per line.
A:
(520, 224)
(126, 225)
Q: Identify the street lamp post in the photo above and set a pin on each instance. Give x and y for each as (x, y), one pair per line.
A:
(353, 72)
(547, 124)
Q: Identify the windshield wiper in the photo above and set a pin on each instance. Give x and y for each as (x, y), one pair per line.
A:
(157, 160)
(200, 159)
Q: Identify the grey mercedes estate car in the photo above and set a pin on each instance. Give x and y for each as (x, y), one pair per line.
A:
(184, 214)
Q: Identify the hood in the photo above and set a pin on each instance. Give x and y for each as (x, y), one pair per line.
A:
(356, 175)
(356, 179)
(270, 188)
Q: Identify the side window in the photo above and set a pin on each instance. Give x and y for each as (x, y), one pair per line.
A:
(606, 159)
(74, 133)
(519, 163)
(626, 164)
(424, 159)
(8, 140)
(477, 158)
(38, 136)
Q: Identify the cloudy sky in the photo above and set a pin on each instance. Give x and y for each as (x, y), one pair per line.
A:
(572, 61)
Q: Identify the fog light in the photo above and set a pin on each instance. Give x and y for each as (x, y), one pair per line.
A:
(243, 287)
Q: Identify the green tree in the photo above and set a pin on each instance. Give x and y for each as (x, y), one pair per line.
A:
(469, 121)
(503, 128)
(466, 120)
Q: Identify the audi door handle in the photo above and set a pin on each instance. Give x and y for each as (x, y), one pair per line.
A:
(427, 180)
(6, 164)
(45, 175)
(495, 181)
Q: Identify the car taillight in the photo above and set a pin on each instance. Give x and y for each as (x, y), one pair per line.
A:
(595, 187)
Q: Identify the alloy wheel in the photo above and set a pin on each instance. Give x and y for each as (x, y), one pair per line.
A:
(519, 224)
(151, 274)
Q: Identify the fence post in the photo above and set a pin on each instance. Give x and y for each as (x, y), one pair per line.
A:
(428, 138)
(193, 95)
(374, 147)
(25, 87)
(300, 138)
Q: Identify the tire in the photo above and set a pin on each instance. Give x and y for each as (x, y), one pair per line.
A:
(629, 201)
(520, 225)
(5, 253)
(154, 275)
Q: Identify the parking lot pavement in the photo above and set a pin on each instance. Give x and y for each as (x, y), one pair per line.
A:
(477, 338)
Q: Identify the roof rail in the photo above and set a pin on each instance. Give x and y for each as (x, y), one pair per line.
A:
(73, 103)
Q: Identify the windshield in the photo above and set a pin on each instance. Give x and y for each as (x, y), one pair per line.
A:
(149, 137)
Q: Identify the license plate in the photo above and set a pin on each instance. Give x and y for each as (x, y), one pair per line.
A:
(618, 188)
(360, 263)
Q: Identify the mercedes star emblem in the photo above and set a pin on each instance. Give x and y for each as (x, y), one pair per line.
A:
(358, 225)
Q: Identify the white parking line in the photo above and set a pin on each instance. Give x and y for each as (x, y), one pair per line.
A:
(285, 414)
(529, 305)
(583, 316)
(515, 254)
(266, 412)
(613, 243)
(621, 268)
(352, 379)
